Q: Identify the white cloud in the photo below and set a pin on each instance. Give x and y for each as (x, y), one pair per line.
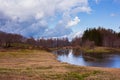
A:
(67, 5)
(81, 9)
(39, 16)
(60, 30)
(28, 16)
(73, 22)
(35, 29)
(77, 34)
(26, 8)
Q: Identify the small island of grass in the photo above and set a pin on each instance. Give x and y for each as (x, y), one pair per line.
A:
(100, 50)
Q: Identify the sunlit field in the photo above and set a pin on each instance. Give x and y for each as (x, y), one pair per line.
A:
(41, 65)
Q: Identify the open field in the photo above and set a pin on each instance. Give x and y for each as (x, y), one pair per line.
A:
(41, 65)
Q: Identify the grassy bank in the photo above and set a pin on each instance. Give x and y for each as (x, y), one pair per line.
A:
(41, 65)
(101, 50)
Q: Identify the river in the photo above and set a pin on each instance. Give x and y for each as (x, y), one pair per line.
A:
(111, 60)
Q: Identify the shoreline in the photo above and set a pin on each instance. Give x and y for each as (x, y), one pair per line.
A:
(98, 49)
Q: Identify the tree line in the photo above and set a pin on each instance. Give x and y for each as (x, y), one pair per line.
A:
(16, 40)
(91, 37)
(101, 37)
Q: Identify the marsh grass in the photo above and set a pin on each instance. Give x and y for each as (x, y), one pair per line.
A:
(30, 72)
(42, 65)
(100, 50)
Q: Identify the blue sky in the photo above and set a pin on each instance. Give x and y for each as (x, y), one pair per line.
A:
(105, 13)
(57, 18)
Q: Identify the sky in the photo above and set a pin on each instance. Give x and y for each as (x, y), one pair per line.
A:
(58, 18)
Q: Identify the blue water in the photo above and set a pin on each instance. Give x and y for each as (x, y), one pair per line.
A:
(111, 60)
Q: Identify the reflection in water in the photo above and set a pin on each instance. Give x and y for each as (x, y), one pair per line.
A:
(89, 59)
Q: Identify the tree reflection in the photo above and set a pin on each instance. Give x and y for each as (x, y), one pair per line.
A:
(93, 56)
(77, 52)
(62, 52)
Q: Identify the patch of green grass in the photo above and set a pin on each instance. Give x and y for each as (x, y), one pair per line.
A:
(19, 53)
(29, 68)
(97, 72)
(64, 76)
(73, 68)
(98, 50)
(74, 76)
(80, 76)
(20, 45)
(9, 70)
(43, 67)
(39, 68)
(31, 72)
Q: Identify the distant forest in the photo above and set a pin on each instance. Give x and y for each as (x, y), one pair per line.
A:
(91, 37)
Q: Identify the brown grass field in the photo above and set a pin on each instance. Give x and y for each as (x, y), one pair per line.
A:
(41, 65)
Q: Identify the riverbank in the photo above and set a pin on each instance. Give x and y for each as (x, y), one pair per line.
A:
(100, 50)
(24, 64)
(90, 50)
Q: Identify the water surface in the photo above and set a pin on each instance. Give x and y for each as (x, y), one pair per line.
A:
(75, 57)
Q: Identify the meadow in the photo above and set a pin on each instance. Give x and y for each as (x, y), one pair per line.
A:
(26, 64)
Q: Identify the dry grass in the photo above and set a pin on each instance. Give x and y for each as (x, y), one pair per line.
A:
(101, 50)
(42, 65)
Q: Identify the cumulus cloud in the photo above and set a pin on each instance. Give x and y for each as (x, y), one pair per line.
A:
(35, 29)
(61, 29)
(58, 31)
(26, 8)
(31, 17)
(73, 22)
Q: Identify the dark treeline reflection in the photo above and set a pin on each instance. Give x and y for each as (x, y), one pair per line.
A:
(76, 52)
(62, 52)
(94, 56)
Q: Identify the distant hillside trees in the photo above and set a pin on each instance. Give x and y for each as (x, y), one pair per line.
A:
(6, 39)
(77, 41)
(119, 34)
(102, 37)
(15, 40)
(93, 35)
(53, 43)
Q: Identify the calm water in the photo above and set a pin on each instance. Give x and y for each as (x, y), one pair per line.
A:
(99, 60)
